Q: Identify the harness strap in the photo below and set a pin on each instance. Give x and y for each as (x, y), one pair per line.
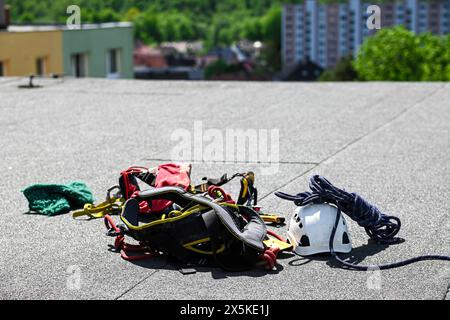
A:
(213, 229)
(252, 235)
(203, 187)
(248, 192)
(125, 248)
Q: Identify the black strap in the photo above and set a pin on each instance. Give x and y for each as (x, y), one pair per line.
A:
(130, 212)
(252, 235)
(215, 182)
(213, 229)
(147, 177)
(252, 195)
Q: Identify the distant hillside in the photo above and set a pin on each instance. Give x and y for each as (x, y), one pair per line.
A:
(216, 22)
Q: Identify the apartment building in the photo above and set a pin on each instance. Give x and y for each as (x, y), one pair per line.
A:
(323, 33)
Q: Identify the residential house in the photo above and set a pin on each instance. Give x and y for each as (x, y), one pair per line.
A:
(94, 50)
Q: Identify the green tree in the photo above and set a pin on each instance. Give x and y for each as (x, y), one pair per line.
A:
(344, 71)
(271, 33)
(132, 14)
(147, 28)
(397, 54)
(106, 15)
(435, 52)
(27, 17)
(215, 68)
(216, 22)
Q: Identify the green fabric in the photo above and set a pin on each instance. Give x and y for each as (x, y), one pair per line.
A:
(53, 199)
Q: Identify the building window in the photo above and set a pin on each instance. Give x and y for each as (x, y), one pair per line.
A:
(113, 64)
(40, 66)
(80, 65)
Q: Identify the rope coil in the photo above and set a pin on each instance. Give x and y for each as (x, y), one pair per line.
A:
(380, 227)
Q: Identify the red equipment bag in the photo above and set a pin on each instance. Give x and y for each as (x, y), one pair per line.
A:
(165, 175)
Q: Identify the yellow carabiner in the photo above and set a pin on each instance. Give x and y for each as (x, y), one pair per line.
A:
(111, 205)
(272, 218)
(175, 213)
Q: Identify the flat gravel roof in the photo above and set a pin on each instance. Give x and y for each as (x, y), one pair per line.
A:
(388, 142)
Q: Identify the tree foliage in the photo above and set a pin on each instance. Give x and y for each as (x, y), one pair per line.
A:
(397, 54)
(218, 22)
(392, 54)
(344, 71)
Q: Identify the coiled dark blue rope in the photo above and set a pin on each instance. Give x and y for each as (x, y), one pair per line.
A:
(380, 227)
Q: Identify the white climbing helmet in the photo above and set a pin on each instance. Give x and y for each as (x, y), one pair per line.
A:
(310, 230)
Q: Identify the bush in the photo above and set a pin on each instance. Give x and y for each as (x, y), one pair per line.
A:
(397, 54)
(219, 67)
(344, 71)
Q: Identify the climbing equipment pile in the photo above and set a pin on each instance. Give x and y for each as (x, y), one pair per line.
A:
(201, 231)
(172, 174)
(202, 225)
(192, 224)
(380, 227)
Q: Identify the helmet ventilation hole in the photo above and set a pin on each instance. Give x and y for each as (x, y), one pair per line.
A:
(304, 241)
(300, 225)
(345, 239)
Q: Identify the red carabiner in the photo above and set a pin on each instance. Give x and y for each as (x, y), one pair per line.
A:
(110, 224)
(269, 257)
(273, 234)
(216, 192)
(146, 255)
